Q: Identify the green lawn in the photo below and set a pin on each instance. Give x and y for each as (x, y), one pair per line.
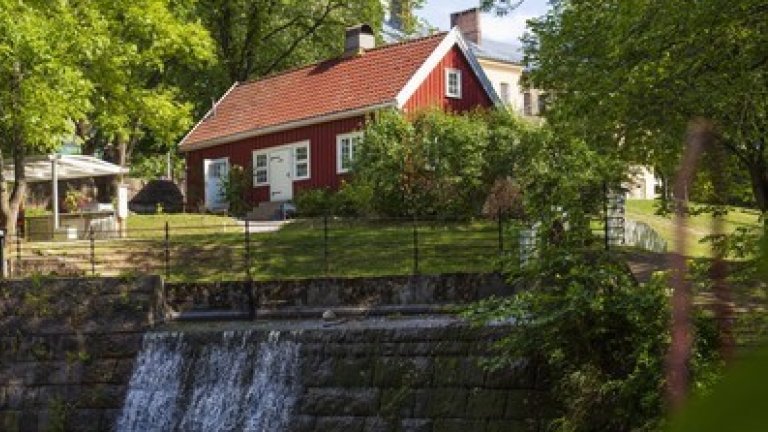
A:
(697, 227)
(212, 248)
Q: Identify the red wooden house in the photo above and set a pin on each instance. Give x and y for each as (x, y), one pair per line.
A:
(298, 129)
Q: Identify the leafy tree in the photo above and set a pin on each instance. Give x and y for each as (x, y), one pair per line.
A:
(255, 38)
(433, 163)
(501, 7)
(141, 48)
(597, 335)
(628, 77)
(598, 339)
(43, 87)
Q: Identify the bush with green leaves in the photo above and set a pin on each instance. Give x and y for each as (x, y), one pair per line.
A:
(598, 337)
(151, 167)
(234, 189)
(350, 200)
(313, 202)
(430, 163)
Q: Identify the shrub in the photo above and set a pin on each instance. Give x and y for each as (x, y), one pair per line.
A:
(234, 189)
(429, 164)
(599, 338)
(352, 199)
(313, 202)
(349, 200)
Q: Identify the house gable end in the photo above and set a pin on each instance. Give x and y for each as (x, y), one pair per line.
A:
(448, 47)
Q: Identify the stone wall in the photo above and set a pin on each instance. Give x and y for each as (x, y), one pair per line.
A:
(398, 375)
(414, 380)
(67, 349)
(454, 288)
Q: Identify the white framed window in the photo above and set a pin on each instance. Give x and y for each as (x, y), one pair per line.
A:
(260, 168)
(453, 83)
(346, 146)
(504, 92)
(527, 104)
(301, 161)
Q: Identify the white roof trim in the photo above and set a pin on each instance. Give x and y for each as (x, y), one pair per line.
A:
(453, 37)
(38, 168)
(215, 105)
(285, 126)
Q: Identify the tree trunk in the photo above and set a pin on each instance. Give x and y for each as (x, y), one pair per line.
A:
(11, 203)
(758, 173)
(19, 191)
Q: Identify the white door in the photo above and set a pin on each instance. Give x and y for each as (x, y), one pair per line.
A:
(280, 178)
(215, 171)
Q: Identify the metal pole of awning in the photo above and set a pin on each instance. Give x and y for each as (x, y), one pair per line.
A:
(55, 188)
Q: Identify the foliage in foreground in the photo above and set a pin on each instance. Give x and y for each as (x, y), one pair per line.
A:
(600, 339)
(437, 163)
(630, 76)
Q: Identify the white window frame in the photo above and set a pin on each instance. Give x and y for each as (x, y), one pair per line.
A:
(448, 73)
(351, 137)
(294, 167)
(265, 169)
(293, 146)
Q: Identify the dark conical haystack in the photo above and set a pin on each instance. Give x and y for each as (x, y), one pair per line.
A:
(158, 193)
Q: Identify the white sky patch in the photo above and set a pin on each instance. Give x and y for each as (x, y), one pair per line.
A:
(507, 29)
(504, 29)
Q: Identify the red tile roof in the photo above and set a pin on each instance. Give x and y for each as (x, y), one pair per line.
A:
(332, 86)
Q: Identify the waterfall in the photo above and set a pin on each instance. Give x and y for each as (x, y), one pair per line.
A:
(228, 384)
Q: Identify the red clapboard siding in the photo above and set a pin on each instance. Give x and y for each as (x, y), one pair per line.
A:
(431, 93)
(322, 139)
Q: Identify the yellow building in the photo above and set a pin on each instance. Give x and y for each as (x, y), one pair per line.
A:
(502, 63)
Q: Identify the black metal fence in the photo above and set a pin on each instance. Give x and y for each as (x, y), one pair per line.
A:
(242, 250)
(328, 246)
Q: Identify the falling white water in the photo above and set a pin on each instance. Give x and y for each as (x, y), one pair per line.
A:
(228, 385)
(155, 385)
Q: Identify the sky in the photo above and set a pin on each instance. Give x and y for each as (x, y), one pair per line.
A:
(503, 29)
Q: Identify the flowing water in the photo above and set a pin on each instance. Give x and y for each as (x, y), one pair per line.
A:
(228, 384)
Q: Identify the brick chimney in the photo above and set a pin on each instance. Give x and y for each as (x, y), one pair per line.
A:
(358, 39)
(469, 24)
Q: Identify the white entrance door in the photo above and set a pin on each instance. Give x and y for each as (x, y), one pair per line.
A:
(280, 179)
(215, 171)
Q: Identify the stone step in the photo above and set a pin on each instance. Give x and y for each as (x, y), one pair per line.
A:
(315, 312)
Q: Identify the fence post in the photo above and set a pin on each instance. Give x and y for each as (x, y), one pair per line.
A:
(247, 238)
(3, 266)
(605, 216)
(415, 246)
(325, 244)
(501, 232)
(93, 251)
(248, 274)
(167, 251)
(18, 253)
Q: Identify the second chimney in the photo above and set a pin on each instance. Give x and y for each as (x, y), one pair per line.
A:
(358, 39)
(468, 22)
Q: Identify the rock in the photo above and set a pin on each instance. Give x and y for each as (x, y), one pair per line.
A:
(329, 315)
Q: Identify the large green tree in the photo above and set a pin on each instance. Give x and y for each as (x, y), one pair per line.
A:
(42, 87)
(254, 38)
(143, 49)
(629, 76)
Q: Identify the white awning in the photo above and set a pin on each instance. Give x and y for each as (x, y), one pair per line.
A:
(38, 168)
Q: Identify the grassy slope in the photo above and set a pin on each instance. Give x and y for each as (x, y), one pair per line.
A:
(697, 227)
(207, 247)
